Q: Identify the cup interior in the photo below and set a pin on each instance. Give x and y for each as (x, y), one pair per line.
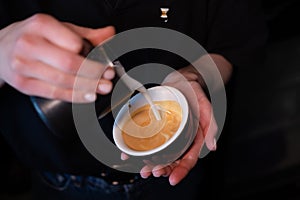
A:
(158, 93)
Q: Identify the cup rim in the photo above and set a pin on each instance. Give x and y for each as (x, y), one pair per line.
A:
(185, 113)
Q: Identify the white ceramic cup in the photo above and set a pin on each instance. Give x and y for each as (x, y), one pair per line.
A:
(173, 148)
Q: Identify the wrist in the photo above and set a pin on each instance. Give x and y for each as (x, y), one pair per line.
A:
(212, 71)
(192, 74)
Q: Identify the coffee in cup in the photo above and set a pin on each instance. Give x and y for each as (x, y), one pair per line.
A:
(142, 132)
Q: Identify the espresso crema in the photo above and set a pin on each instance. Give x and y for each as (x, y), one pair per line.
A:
(142, 132)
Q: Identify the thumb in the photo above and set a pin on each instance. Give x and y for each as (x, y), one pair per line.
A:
(210, 137)
(95, 36)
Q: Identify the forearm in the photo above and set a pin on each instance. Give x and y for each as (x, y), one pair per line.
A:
(211, 70)
(210, 67)
(223, 65)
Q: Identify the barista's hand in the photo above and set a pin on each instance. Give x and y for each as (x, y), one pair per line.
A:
(207, 129)
(40, 56)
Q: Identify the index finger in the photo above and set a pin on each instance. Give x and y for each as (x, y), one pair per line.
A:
(55, 32)
(188, 161)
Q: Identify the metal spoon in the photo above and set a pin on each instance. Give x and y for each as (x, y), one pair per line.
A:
(131, 83)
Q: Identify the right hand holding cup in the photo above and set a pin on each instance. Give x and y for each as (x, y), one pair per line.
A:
(187, 82)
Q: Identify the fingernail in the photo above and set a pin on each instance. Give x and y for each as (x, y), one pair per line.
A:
(172, 182)
(104, 88)
(90, 97)
(156, 174)
(144, 176)
(215, 145)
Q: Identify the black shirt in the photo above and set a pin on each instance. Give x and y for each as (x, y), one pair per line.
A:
(232, 28)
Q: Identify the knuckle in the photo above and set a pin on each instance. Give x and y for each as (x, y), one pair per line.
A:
(52, 77)
(18, 82)
(58, 78)
(37, 21)
(22, 85)
(59, 93)
(17, 64)
(69, 64)
(54, 93)
(23, 43)
(66, 81)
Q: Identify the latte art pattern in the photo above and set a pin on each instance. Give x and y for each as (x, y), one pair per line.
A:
(161, 131)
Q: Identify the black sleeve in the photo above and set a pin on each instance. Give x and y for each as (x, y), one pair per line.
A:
(35, 145)
(13, 11)
(237, 30)
(3, 16)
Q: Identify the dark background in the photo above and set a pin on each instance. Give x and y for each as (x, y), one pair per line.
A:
(260, 151)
